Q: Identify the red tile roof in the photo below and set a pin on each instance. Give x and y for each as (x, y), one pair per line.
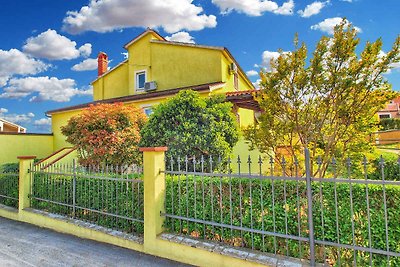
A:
(142, 96)
(239, 93)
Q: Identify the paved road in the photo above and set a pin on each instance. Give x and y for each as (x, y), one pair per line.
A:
(23, 244)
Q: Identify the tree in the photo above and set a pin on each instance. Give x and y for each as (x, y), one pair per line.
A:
(327, 105)
(192, 126)
(106, 134)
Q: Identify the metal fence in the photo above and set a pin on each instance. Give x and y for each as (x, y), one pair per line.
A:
(107, 196)
(350, 217)
(9, 188)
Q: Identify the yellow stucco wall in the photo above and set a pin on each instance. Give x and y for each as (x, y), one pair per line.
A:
(175, 66)
(139, 60)
(14, 145)
(113, 84)
(171, 65)
(58, 120)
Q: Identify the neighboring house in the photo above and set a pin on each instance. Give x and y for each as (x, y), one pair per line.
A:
(9, 127)
(391, 110)
(157, 69)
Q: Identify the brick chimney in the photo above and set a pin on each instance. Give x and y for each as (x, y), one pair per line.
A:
(102, 63)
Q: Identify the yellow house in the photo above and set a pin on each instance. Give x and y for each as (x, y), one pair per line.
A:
(155, 70)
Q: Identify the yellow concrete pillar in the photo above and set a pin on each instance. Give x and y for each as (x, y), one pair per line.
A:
(25, 163)
(154, 193)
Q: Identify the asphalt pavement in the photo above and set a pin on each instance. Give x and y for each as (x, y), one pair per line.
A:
(22, 244)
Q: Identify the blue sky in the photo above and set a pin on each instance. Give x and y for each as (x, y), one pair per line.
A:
(48, 47)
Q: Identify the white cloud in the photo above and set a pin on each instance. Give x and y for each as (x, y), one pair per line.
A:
(257, 83)
(42, 89)
(125, 55)
(252, 73)
(394, 66)
(16, 118)
(312, 9)
(106, 16)
(286, 8)
(42, 122)
(254, 7)
(267, 56)
(53, 46)
(85, 50)
(14, 62)
(329, 24)
(182, 37)
(87, 64)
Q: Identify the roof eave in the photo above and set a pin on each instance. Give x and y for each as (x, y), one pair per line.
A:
(142, 96)
(141, 35)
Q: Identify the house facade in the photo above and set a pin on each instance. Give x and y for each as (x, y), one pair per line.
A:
(156, 70)
(391, 109)
(9, 127)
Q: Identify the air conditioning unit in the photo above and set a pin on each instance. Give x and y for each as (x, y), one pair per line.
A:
(150, 86)
(232, 68)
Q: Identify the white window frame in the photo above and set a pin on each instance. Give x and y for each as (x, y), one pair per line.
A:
(379, 115)
(137, 88)
(144, 107)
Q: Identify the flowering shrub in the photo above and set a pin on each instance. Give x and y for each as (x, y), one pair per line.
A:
(106, 134)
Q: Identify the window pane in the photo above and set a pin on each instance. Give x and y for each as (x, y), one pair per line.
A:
(140, 79)
(148, 111)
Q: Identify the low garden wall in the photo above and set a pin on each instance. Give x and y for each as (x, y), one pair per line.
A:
(13, 145)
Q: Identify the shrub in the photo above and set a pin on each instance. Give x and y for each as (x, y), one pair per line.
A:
(192, 126)
(106, 134)
(185, 198)
(389, 124)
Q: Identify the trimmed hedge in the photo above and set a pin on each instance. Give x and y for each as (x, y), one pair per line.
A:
(390, 124)
(108, 196)
(260, 215)
(9, 188)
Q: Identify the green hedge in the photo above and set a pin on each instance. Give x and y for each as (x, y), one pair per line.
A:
(9, 188)
(390, 124)
(109, 196)
(262, 215)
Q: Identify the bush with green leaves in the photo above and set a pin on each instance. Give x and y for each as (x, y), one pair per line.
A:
(389, 124)
(192, 126)
(266, 205)
(104, 199)
(9, 168)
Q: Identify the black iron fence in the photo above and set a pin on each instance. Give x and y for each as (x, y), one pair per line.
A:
(9, 188)
(337, 220)
(109, 196)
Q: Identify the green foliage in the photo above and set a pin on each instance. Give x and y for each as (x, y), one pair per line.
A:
(106, 134)
(192, 126)
(9, 184)
(387, 167)
(9, 168)
(327, 104)
(92, 194)
(389, 124)
(263, 204)
(9, 189)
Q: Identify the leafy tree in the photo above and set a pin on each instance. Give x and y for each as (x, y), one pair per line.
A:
(106, 134)
(327, 105)
(192, 126)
